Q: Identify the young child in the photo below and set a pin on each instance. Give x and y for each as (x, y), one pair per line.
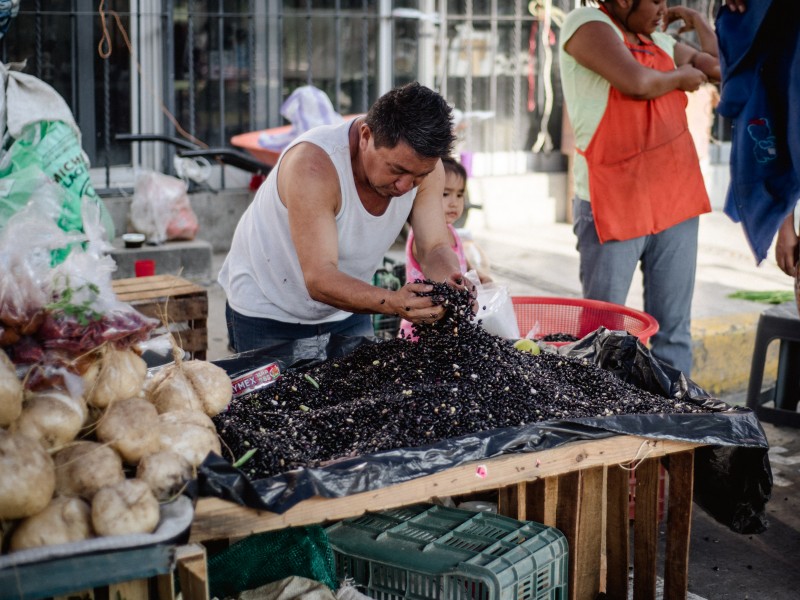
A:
(455, 185)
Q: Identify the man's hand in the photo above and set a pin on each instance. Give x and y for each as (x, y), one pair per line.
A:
(410, 305)
(455, 280)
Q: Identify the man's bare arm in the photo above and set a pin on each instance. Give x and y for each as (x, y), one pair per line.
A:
(309, 188)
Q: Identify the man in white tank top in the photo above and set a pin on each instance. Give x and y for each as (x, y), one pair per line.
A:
(304, 252)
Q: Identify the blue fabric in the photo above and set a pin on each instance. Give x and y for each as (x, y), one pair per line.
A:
(760, 61)
(8, 10)
(668, 262)
(251, 333)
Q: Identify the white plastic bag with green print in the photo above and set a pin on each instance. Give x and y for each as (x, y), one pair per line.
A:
(49, 149)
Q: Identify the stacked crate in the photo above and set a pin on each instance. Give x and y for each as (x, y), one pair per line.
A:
(432, 552)
(180, 305)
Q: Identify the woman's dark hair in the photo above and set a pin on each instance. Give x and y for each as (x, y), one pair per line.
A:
(451, 165)
(416, 115)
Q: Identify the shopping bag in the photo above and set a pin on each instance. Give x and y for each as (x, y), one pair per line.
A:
(495, 308)
(49, 150)
(161, 209)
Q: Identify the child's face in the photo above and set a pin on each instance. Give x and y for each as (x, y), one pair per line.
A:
(453, 198)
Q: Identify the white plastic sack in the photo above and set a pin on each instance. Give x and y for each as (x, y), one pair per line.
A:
(305, 108)
(160, 208)
(495, 309)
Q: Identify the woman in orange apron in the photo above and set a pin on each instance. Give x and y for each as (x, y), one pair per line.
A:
(639, 189)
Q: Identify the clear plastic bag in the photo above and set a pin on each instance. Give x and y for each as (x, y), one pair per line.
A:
(52, 315)
(495, 309)
(161, 209)
(27, 242)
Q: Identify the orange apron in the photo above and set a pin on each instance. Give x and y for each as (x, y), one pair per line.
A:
(644, 174)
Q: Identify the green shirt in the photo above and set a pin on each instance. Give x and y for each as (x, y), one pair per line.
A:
(586, 92)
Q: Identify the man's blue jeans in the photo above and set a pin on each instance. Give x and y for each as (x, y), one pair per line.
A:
(668, 262)
(250, 333)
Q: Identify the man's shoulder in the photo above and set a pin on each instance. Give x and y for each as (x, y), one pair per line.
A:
(306, 159)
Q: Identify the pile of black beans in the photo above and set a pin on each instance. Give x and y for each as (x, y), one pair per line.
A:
(455, 380)
(559, 337)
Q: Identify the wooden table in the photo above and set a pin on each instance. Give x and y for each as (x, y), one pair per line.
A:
(582, 488)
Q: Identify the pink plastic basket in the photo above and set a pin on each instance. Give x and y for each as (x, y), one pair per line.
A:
(579, 317)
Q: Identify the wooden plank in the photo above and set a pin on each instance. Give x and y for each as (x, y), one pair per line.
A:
(645, 529)
(192, 340)
(165, 586)
(679, 522)
(567, 522)
(617, 532)
(192, 571)
(151, 288)
(219, 519)
(82, 595)
(522, 501)
(175, 309)
(507, 501)
(542, 500)
(130, 590)
(589, 534)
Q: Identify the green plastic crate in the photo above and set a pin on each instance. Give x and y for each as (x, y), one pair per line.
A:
(428, 552)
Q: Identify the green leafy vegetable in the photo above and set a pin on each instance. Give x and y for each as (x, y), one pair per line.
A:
(771, 297)
(245, 457)
(68, 302)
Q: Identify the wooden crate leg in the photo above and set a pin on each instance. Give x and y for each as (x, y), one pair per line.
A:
(138, 589)
(507, 501)
(679, 525)
(645, 530)
(165, 586)
(542, 500)
(192, 571)
(83, 595)
(580, 518)
(522, 501)
(617, 532)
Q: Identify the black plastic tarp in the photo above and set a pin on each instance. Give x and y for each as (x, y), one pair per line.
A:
(733, 480)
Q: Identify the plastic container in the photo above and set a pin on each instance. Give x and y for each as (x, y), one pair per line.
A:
(425, 551)
(144, 268)
(579, 317)
(249, 141)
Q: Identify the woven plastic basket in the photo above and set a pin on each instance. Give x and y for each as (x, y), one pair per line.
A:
(578, 317)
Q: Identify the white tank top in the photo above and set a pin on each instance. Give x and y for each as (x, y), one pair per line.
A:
(261, 275)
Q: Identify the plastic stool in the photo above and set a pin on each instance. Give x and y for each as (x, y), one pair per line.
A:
(781, 322)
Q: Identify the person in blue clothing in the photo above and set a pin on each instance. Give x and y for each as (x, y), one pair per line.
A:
(760, 61)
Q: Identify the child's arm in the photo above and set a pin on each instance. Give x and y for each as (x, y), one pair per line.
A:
(476, 261)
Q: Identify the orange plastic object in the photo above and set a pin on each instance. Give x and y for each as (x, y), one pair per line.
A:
(579, 317)
(249, 142)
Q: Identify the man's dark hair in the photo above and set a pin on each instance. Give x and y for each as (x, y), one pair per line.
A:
(451, 165)
(416, 115)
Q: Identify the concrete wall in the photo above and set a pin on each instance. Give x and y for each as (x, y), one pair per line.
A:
(217, 214)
